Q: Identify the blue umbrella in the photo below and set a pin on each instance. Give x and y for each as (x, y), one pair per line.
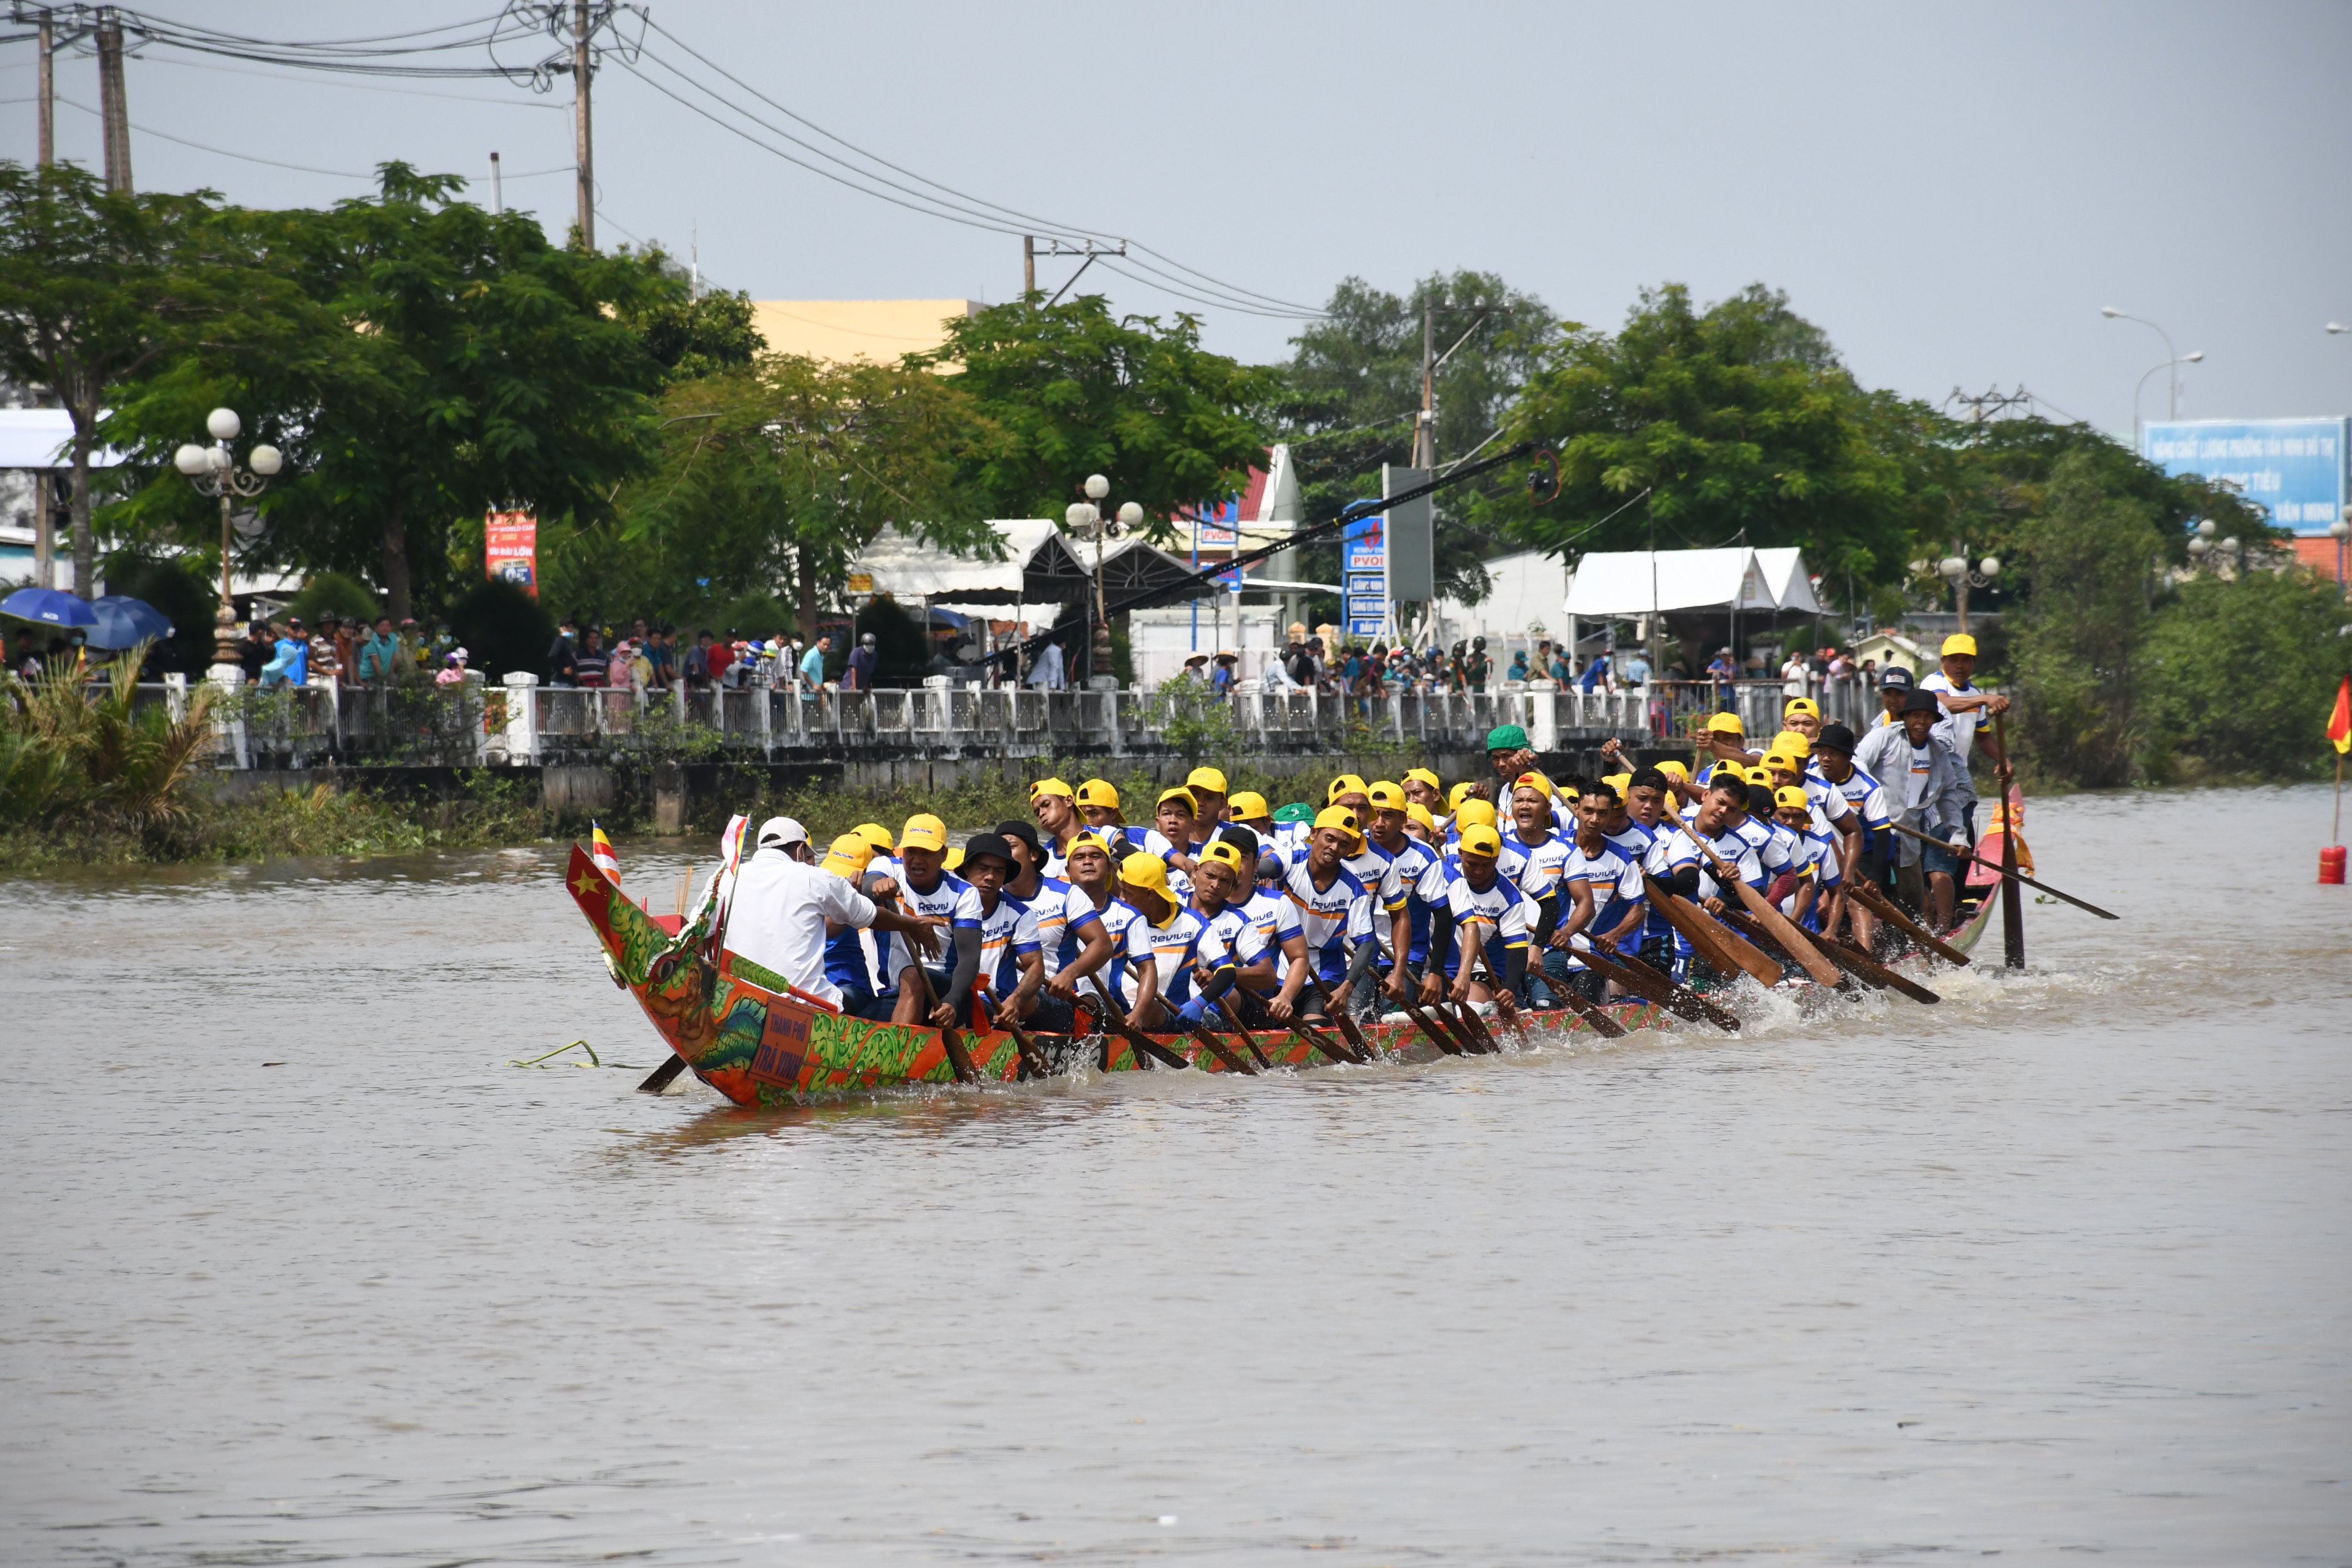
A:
(51, 606)
(126, 621)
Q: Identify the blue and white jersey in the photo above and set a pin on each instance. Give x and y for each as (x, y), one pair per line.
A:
(938, 903)
(1788, 838)
(1756, 854)
(1861, 794)
(1816, 861)
(1510, 915)
(1828, 806)
(1138, 840)
(1611, 876)
(1333, 918)
(1647, 847)
(1168, 949)
(849, 959)
(1276, 919)
(1007, 934)
(1421, 871)
(1535, 867)
(1066, 917)
(1229, 936)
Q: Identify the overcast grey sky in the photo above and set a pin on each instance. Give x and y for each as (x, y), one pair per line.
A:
(1952, 192)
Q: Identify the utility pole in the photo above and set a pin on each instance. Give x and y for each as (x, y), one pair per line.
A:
(114, 111)
(1028, 265)
(45, 93)
(583, 150)
(1424, 438)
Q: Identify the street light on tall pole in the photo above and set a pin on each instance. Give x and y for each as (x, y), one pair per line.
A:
(1085, 520)
(213, 471)
(2194, 356)
(2172, 403)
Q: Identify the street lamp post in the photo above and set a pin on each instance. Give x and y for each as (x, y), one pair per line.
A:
(1085, 520)
(213, 471)
(2172, 357)
(1957, 570)
(2340, 530)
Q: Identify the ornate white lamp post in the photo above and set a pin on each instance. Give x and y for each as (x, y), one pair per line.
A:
(213, 471)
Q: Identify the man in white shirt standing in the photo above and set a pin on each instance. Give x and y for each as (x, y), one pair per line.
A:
(1045, 674)
(777, 915)
(1966, 708)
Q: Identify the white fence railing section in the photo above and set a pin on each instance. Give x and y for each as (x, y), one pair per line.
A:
(521, 721)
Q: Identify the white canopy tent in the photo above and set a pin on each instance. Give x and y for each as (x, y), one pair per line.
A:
(1772, 585)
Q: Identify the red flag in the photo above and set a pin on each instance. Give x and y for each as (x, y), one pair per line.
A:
(2339, 723)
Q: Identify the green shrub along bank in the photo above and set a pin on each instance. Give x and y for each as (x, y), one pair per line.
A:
(2125, 677)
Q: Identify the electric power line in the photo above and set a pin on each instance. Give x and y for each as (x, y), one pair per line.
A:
(223, 152)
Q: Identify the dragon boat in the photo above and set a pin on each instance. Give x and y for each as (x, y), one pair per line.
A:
(770, 1045)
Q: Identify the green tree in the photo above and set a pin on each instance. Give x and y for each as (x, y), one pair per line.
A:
(1060, 392)
(99, 289)
(2241, 674)
(1352, 391)
(2080, 659)
(692, 335)
(782, 474)
(464, 362)
(1740, 422)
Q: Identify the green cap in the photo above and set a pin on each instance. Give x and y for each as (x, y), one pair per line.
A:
(1296, 811)
(1506, 738)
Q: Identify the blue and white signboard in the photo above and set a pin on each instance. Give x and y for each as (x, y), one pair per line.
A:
(1363, 558)
(2293, 469)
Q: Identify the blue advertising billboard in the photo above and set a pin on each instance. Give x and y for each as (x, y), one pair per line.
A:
(2293, 469)
(1363, 557)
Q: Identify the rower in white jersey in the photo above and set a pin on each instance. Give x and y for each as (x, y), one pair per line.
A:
(1099, 803)
(1648, 793)
(1094, 887)
(1067, 923)
(1602, 894)
(922, 887)
(1818, 890)
(1832, 763)
(995, 942)
(1219, 871)
(1421, 872)
(1279, 929)
(1754, 852)
(1162, 940)
(1375, 871)
(1479, 950)
(1335, 912)
(1054, 804)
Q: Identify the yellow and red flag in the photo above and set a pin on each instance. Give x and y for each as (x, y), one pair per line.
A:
(2339, 723)
(600, 850)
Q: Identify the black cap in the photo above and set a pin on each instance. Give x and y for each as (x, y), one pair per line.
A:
(1759, 801)
(1835, 738)
(1647, 778)
(1245, 838)
(1922, 703)
(982, 844)
(1025, 831)
(1894, 676)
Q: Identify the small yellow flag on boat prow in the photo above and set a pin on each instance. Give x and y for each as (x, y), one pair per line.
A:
(600, 850)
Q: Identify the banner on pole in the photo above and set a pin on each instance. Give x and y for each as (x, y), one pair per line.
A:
(510, 548)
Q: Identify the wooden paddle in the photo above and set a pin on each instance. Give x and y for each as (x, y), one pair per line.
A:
(1143, 1042)
(1584, 1008)
(1337, 1015)
(1464, 1017)
(1724, 953)
(1475, 955)
(959, 1058)
(1033, 1062)
(1218, 1008)
(1874, 972)
(1428, 1025)
(2006, 872)
(1223, 1052)
(1232, 1016)
(660, 1079)
(1767, 915)
(2012, 901)
(1885, 909)
(1634, 975)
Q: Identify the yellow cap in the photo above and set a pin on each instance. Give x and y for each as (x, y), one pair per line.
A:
(1675, 770)
(1534, 781)
(1247, 805)
(1800, 705)
(1620, 782)
(1791, 796)
(1458, 794)
(1425, 777)
(954, 859)
(1341, 818)
(848, 856)
(1098, 792)
(1190, 805)
(1724, 724)
(1480, 839)
(1960, 642)
(1346, 784)
(1051, 786)
(874, 833)
(1386, 796)
(1475, 812)
(923, 831)
(1144, 871)
(1796, 743)
(1206, 778)
(1777, 759)
(1755, 776)
(1223, 851)
(1093, 841)
(1416, 811)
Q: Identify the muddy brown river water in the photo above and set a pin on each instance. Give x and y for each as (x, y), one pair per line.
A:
(2058, 1269)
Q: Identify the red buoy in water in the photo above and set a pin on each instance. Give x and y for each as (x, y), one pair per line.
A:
(2331, 866)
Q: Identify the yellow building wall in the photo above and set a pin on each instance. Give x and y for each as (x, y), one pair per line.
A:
(844, 330)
